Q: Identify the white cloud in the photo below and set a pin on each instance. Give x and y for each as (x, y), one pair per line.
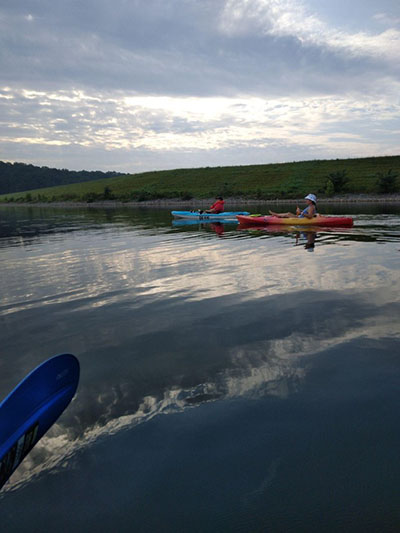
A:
(293, 18)
(156, 125)
(387, 19)
(285, 17)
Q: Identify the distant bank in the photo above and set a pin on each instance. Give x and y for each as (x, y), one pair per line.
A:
(193, 204)
(345, 180)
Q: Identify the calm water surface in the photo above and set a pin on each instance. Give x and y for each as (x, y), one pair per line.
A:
(231, 379)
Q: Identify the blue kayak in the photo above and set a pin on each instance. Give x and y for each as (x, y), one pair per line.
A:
(218, 217)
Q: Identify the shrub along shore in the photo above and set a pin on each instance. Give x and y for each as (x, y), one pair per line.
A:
(230, 203)
(345, 180)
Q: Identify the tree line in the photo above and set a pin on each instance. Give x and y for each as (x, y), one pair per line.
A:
(17, 177)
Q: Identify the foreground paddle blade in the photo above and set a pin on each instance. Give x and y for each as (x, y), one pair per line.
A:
(33, 407)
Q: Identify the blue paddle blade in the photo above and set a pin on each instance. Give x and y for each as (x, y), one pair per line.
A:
(33, 407)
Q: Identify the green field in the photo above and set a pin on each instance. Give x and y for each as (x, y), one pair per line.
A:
(285, 180)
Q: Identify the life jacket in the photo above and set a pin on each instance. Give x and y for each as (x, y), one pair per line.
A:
(305, 212)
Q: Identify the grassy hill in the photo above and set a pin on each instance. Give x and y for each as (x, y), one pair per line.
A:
(285, 180)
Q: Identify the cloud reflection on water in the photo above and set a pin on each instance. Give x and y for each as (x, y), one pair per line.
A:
(258, 361)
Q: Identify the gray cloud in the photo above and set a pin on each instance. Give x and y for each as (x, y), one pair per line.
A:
(296, 80)
(168, 47)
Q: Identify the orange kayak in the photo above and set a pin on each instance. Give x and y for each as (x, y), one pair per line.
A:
(315, 221)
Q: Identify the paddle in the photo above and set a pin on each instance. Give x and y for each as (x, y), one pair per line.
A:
(33, 407)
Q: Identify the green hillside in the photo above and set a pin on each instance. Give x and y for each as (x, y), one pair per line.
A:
(285, 180)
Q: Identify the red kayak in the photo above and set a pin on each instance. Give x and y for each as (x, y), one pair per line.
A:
(315, 221)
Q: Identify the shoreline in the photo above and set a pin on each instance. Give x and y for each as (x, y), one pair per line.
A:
(201, 202)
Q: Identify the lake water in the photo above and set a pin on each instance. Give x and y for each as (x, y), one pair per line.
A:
(231, 380)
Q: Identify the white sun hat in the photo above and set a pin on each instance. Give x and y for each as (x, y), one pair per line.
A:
(311, 197)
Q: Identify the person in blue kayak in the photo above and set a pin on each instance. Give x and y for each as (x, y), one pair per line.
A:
(309, 212)
(217, 207)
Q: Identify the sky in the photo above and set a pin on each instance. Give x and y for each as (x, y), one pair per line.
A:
(138, 85)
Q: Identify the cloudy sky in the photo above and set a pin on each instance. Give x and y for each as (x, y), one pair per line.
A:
(134, 85)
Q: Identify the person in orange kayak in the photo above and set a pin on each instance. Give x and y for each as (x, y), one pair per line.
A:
(309, 212)
(217, 206)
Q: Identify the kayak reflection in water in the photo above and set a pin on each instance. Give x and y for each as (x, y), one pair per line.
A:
(309, 212)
